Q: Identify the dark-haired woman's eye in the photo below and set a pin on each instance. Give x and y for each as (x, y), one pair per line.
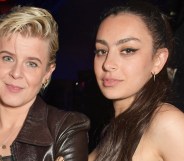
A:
(128, 51)
(100, 52)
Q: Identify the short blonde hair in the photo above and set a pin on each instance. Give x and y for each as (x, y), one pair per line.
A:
(31, 22)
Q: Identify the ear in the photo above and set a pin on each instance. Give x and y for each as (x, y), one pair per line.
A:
(49, 72)
(160, 59)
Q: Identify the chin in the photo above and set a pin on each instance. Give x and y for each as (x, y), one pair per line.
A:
(110, 96)
(11, 101)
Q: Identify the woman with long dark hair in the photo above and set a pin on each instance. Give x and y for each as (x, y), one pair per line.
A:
(133, 44)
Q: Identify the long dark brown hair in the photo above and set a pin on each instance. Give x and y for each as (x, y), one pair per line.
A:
(121, 137)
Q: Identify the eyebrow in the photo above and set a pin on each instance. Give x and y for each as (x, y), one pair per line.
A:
(29, 58)
(101, 42)
(33, 58)
(121, 41)
(4, 51)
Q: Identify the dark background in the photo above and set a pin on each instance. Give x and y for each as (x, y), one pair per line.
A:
(77, 19)
(73, 86)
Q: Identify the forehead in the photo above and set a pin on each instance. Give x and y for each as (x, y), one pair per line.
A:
(19, 40)
(25, 46)
(124, 23)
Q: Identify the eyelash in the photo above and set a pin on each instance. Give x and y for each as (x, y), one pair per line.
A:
(100, 52)
(125, 51)
(128, 51)
(32, 64)
(10, 59)
(7, 58)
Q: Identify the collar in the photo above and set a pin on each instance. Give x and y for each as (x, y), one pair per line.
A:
(35, 129)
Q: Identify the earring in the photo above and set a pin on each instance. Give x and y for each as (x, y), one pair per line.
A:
(44, 85)
(154, 76)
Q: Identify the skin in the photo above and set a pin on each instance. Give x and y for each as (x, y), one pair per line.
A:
(123, 63)
(23, 70)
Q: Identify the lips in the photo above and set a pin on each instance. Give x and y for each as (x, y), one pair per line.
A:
(110, 82)
(13, 88)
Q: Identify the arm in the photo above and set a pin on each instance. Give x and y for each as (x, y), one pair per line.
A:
(72, 139)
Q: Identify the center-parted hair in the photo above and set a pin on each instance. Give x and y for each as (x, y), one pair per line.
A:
(31, 22)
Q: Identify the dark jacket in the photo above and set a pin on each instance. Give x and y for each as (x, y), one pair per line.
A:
(49, 132)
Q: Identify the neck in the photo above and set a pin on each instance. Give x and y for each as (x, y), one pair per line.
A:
(121, 105)
(12, 117)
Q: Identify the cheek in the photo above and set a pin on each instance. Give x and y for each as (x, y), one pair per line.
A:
(34, 80)
(139, 70)
(97, 67)
(146, 63)
(142, 75)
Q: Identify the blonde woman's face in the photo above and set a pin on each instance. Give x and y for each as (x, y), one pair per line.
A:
(124, 57)
(23, 69)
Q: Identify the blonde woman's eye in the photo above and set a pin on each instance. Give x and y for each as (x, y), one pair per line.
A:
(32, 64)
(100, 52)
(7, 58)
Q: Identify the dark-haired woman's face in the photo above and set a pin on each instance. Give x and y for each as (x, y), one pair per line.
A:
(124, 56)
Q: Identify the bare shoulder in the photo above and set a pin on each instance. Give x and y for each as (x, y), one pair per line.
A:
(167, 132)
(168, 117)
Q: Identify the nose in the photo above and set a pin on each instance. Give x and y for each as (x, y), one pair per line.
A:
(110, 63)
(16, 71)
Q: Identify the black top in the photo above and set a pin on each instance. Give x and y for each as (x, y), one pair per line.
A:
(6, 158)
